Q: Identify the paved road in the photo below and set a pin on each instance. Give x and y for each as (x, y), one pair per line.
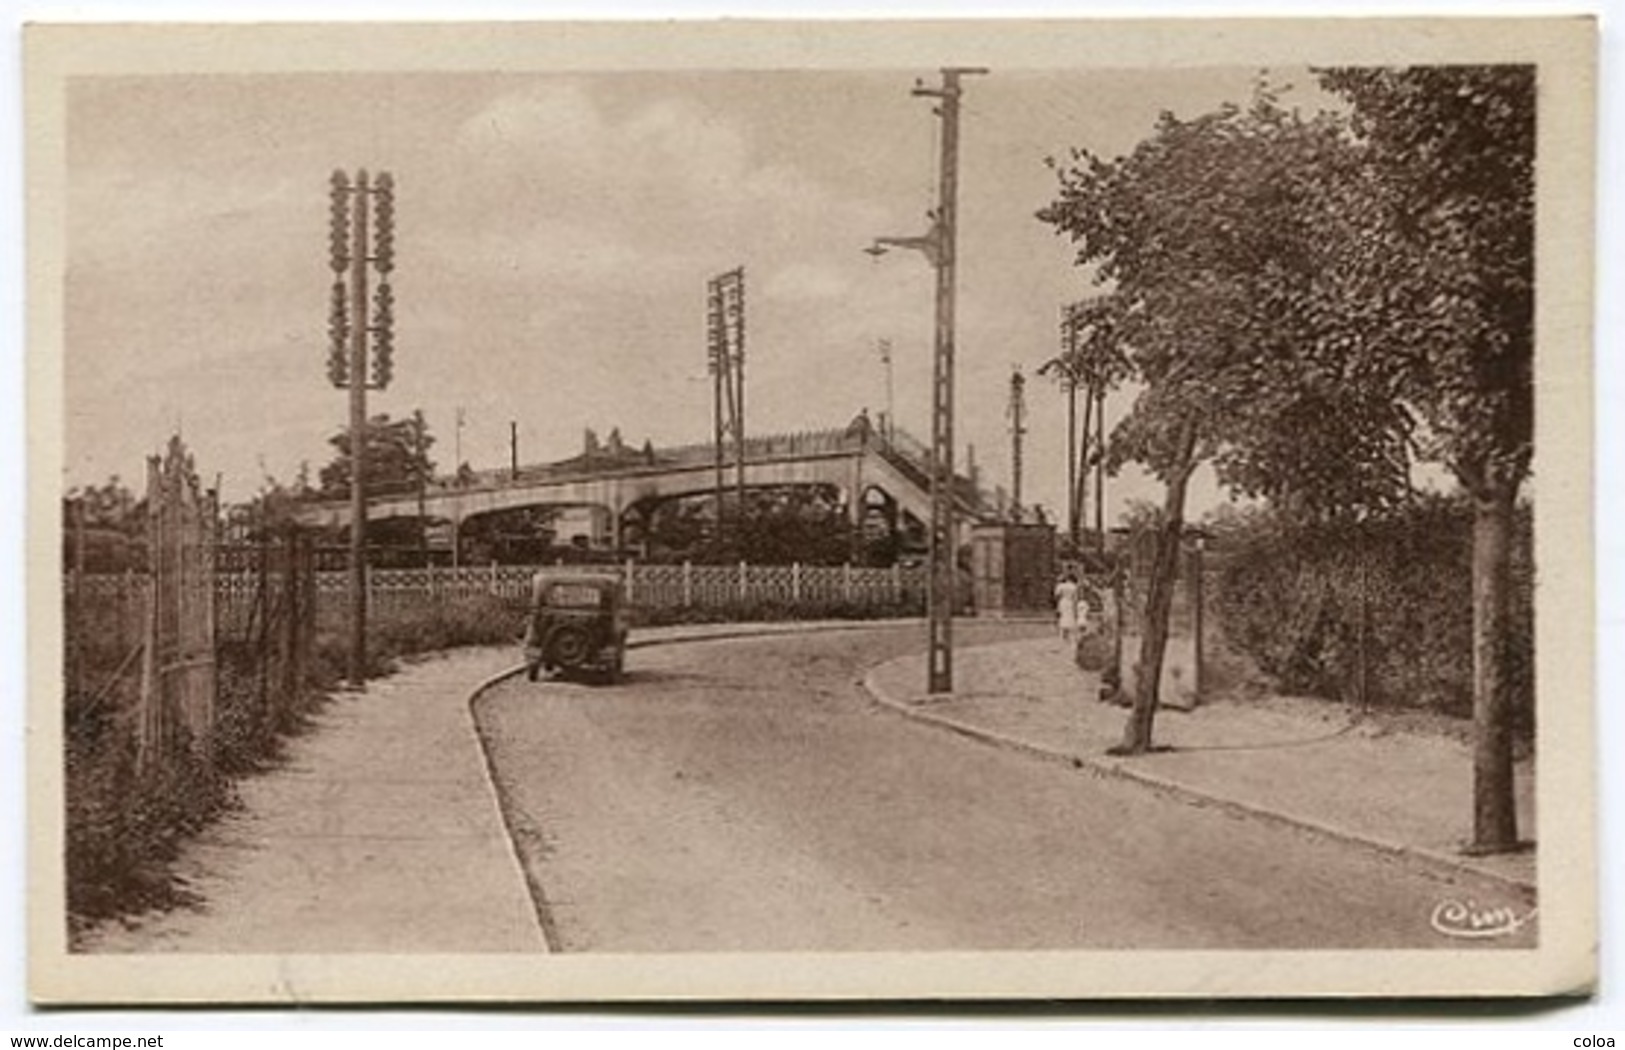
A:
(746, 795)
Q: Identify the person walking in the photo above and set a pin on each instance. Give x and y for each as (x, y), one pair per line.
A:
(1066, 607)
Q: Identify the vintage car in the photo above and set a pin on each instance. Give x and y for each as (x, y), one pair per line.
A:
(577, 624)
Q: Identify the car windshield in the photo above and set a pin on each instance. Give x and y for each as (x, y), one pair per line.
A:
(575, 596)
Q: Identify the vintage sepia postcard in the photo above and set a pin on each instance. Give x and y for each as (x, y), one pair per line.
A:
(810, 510)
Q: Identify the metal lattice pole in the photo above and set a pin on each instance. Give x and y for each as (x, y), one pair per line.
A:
(725, 345)
(1017, 412)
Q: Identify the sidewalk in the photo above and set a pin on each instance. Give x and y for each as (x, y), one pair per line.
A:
(1306, 763)
(380, 833)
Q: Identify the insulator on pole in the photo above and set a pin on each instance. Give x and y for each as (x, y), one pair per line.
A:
(339, 222)
(338, 337)
(383, 307)
(383, 337)
(383, 253)
(338, 369)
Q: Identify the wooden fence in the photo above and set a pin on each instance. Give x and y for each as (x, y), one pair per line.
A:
(178, 674)
(145, 650)
(178, 666)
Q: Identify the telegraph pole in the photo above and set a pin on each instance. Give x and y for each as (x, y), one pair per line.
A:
(1077, 463)
(1069, 385)
(354, 256)
(1083, 366)
(884, 346)
(457, 508)
(1100, 466)
(725, 350)
(1017, 411)
(939, 246)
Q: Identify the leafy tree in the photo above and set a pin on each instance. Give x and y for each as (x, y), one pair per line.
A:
(1444, 273)
(515, 535)
(274, 508)
(110, 505)
(776, 526)
(1213, 234)
(792, 524)
(103, 527)
(397, 457)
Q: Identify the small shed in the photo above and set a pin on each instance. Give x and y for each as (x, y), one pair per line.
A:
(1012, 568)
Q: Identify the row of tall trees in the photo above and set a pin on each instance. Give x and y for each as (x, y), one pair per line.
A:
(1311, 304)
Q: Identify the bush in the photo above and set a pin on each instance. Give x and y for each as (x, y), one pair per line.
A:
(1095, 651)
(768, 611)
(394, 633)
(125, 826)
(1295, 599)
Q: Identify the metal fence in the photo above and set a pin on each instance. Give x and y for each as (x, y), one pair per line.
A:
(265, 615)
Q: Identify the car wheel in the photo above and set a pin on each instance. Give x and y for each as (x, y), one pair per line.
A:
(569, 647)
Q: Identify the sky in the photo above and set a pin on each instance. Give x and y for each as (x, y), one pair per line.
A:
(554, 239)
(126, 429)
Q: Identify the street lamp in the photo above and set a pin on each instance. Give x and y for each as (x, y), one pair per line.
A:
(938, 247)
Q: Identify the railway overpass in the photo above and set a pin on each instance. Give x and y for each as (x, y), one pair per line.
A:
(624, 486)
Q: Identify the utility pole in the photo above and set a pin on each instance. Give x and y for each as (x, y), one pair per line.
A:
(1100, 466)
(1069, 384)
(1069, 390)
(420, 468)
(354, 317)
(513, 449)
(1083, 366)
(884, 346)
(457, 506)
(1017, 413)
(725, 351)
(938, 246)
(1075, 378)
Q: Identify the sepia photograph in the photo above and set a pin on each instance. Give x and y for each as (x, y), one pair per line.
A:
(791, 510)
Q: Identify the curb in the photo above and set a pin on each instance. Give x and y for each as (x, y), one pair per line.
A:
(764, 630)
(1431, 859)
(538, 900)
(551, 942)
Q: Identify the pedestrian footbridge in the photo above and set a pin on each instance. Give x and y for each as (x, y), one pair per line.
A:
(865, 466)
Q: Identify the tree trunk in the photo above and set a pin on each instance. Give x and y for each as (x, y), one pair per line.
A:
(1080, 477)
(1158, 603)
(1495, 814)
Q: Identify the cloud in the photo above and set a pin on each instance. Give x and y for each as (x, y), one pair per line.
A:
(560, 114)
(553, 248)
(668, 170)
(807, 281)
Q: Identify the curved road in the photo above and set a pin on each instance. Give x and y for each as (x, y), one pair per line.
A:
(746, 795)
